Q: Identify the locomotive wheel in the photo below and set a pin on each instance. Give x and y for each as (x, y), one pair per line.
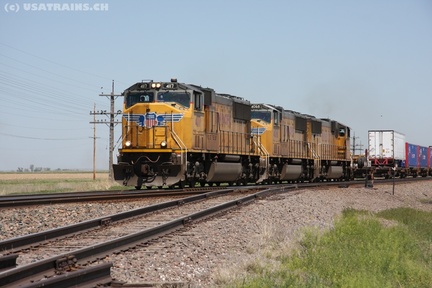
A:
(241, 182)
(192, 183)
(138, 187)
(181, 184)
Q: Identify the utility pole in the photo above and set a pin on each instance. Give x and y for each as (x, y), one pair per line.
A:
(94, 142)
(111, 123)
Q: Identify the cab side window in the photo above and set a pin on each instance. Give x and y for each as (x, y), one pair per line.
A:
(198, 101)
(276, 117)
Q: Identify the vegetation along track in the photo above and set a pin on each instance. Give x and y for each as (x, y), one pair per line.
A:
(39, 260)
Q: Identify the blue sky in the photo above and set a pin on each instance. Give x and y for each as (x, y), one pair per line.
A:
(367, 64)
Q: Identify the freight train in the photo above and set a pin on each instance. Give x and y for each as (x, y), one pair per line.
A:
(177, 134)
(389, 155)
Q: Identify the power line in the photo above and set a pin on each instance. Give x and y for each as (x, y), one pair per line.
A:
(48, 78)
(46, 71)
(53, 62)
(41, 104)
(20, 83)
(39, 138)
(44, 128)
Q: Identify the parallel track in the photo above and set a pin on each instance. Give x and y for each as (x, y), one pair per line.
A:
(139, 233)
(10, 201)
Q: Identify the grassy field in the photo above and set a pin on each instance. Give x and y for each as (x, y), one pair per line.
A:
(51, 182)
(389, 249)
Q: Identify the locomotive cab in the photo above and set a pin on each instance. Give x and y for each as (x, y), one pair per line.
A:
(153, 152)
(274, 132)
(177, 134)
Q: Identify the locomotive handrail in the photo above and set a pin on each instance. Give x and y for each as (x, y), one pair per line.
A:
(314, 153)
(180, 143)
(264, 151)
(262, 148)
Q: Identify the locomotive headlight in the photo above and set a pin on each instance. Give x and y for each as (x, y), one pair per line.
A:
(155, 85)
(128, 143)
(163, 144)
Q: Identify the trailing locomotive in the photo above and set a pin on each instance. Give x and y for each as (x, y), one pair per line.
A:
(183, 134)
(298, 146)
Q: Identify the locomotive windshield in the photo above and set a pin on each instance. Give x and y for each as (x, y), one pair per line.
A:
(181, 98)
(263, 115)
(133, 98)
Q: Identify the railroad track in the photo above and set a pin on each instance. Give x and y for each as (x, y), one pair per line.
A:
(53, 256)
(41, 260)
(10, 201)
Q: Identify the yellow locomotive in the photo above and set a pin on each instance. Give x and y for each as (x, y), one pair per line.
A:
(183, 134)
(296, 146)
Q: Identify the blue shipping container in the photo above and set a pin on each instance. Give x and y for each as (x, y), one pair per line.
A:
(430, 157)
(412, 155)
(423, 157)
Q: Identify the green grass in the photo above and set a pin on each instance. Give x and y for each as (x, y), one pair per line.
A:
(55, 182)
(362, 250)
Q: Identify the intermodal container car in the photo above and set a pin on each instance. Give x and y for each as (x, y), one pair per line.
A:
(424, 157)
(412, 155)
(386, 147)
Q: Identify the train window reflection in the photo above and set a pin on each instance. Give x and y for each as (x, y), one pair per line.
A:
(181, 98)
(138, 97)
(263, 115)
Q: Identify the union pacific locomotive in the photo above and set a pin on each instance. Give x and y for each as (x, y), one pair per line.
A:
(177, 134)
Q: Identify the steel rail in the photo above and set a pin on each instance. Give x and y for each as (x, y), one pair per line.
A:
(8, 261)
(86, 255)
(96, 276)
(41, 199)
(37, 238)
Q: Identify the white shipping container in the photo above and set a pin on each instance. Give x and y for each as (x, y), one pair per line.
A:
(384, 144)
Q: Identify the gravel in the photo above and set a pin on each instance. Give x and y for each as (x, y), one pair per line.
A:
(16, 222)
(202, 256)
